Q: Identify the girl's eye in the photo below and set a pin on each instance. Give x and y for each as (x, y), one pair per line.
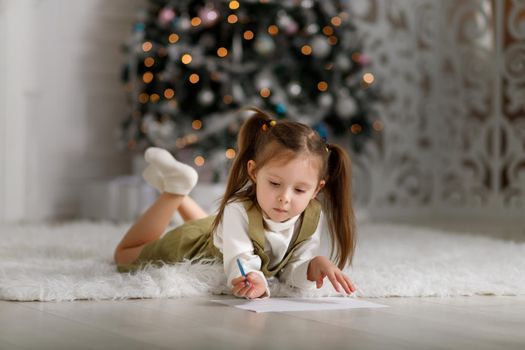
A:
(274, 183)
(300, 190)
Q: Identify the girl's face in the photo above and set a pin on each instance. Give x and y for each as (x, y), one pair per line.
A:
(284, 188)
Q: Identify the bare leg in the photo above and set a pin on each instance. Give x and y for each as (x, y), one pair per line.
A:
(149, 227)
(191, 210)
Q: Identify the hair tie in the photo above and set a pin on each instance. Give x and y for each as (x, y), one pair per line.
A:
(325, 144)
(267, 124)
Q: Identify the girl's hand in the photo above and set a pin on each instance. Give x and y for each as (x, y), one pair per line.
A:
(320, 267)
(250, 287)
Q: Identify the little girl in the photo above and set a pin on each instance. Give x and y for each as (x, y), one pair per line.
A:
(269, 218)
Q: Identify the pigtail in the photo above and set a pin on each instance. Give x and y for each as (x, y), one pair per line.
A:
(247, 142)
(337, 197)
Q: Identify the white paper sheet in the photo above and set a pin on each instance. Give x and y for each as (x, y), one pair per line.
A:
(298, 304)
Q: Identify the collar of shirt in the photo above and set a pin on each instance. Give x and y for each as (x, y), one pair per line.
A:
(280, 226)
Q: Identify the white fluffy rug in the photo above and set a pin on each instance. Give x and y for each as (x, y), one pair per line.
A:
(74, 261)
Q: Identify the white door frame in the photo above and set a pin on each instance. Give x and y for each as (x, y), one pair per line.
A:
(3, 30)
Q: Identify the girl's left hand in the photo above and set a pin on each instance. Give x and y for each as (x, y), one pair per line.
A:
(321, 267)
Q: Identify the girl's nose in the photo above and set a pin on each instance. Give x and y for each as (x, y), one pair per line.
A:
(283, 198)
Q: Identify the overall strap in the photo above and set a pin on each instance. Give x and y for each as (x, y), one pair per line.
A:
(255, 225)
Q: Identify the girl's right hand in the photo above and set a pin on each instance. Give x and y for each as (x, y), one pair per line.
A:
(254, 288)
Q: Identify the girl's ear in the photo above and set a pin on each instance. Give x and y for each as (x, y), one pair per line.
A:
(319, 187)
(251, 170)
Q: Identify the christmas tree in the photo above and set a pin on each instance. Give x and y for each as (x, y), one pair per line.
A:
(193, 64)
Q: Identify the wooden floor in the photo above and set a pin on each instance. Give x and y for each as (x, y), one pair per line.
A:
(480, 322)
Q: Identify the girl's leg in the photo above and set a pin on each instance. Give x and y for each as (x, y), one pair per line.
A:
(191, 210)
(174, 180)
(152, 224)
(149, 227)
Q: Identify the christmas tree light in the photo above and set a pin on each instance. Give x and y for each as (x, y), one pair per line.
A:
(192, 65)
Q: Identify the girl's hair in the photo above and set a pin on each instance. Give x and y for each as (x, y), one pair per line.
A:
(262, 139)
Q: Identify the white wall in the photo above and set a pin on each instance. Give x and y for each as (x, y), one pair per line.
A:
(61, 102)
(450, 97)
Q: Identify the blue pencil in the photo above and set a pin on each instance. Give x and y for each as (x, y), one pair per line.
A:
(242, 271)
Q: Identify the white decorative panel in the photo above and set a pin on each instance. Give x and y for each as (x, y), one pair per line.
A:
(453, 80)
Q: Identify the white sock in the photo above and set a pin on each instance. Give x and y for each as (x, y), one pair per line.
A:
(153, 177)
(177, 177)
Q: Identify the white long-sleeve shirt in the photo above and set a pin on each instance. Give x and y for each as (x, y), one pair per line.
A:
(233, 240)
